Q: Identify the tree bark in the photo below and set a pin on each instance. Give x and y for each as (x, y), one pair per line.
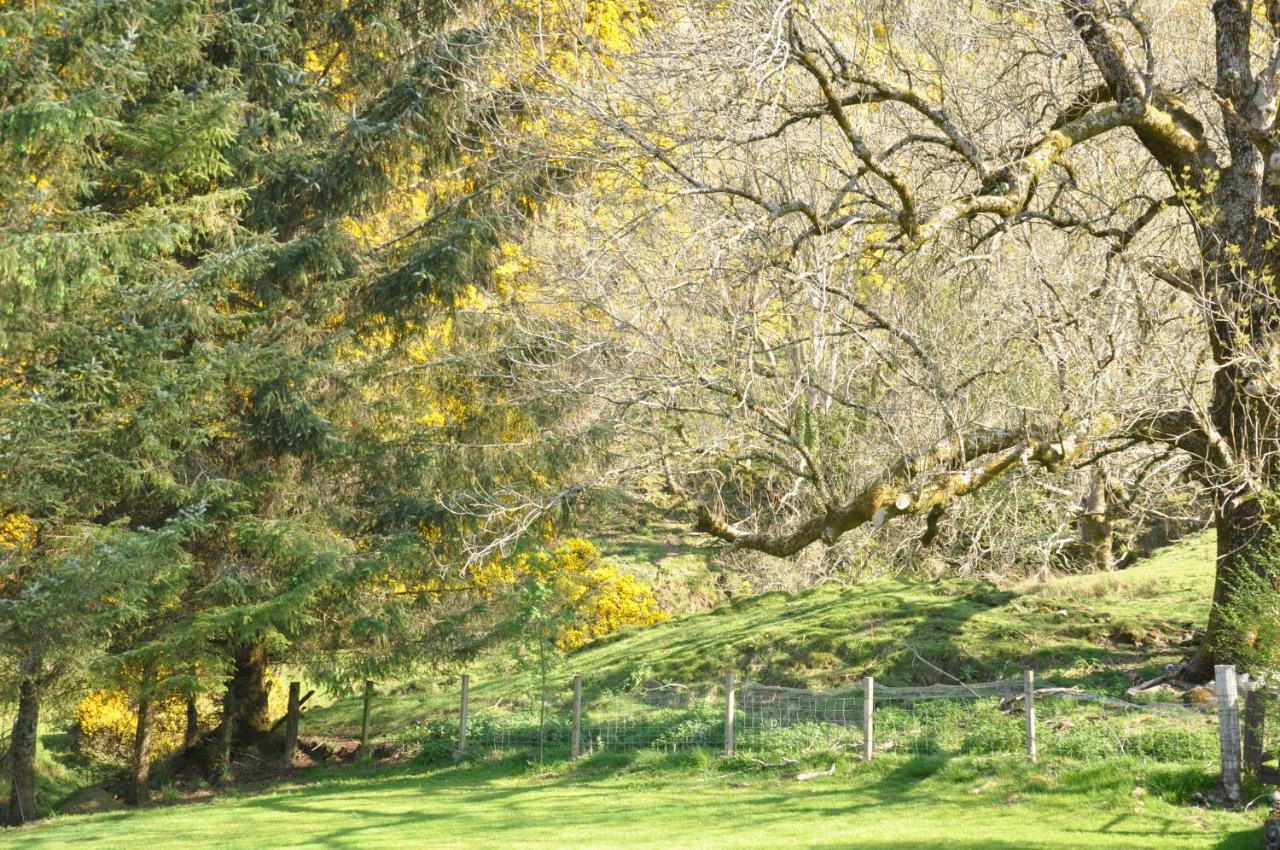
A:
(226, 732)
(251, 689)
(1097, 531)
(245, 709)
(137, 791)
(22, 747)
(191, 736)
(291, 722)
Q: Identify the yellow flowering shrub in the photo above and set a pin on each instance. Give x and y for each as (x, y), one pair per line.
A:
(17, 536)
(598, 597)
(602, 598)
(106, 721)
(17, 531)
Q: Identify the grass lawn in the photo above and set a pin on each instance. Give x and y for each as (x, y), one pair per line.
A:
(688, 801)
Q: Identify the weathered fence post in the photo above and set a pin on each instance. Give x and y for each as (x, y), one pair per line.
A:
(1029, 698)
(868, 712)
(291, 722)
(1228, 731)
(461, 752)
(1255, 718)
(728, 713)
(364, 719)
(575, 741)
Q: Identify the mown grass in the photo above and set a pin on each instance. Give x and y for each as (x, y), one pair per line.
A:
(691, 800)
(1101, 632)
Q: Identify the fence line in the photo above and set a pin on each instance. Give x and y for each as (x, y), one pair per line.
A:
(1009, 716)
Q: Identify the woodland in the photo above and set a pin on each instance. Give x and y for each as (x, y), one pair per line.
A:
(333, 331)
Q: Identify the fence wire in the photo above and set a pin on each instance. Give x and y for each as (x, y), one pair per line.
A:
(976, 719)
(940, 720)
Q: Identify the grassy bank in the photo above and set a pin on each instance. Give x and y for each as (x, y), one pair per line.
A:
(1101, 632)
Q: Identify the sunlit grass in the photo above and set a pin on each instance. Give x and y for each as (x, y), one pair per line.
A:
(692, 800)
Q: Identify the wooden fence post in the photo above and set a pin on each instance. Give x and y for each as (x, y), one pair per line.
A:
(868, 713)
(1255, 719)
(1224, 676)
(364, 719)
(461, 752)
(291, 722)
(728, 713)
(1029, 698)
(575, 741)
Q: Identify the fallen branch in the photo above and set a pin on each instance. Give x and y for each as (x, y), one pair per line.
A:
(301, 703)
(1147, 685)
(814, 774)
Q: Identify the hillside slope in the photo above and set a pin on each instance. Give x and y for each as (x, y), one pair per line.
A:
(1100, 631)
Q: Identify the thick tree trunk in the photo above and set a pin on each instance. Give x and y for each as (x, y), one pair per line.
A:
(245, 709)
(1247, 538)
(1097, 532)
(22, 747)
(137, 792)
(1244, 539)
(250, 687)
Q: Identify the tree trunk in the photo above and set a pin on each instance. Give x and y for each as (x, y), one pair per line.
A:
(291, 723)
(191, 736)
(136, 792)
(1246, 536)
(22, 747)
(251, 689)
(226, 732)
(245, 710)
(1097, 532)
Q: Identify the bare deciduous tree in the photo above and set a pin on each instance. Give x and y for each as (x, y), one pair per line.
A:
(875, 259)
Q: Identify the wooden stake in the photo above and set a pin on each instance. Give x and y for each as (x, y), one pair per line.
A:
(364, 719)
(1029, 699)
(1255, 718)
(868, 712)
(461, 752)
(1224, 676)
(575, 742)
(728, 713)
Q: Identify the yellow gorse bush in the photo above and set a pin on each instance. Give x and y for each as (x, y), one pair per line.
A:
(601, 597)
(106, 721)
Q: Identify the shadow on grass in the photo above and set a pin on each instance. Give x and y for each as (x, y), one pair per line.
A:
(641, 799)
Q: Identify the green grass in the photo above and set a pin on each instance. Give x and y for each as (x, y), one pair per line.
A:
(688, 801)
(666, 557)
(1098, 631)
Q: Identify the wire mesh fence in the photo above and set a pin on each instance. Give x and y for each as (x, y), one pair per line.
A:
(985, 718)
(976, 719)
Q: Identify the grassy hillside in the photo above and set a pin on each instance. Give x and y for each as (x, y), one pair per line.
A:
(1099, 631)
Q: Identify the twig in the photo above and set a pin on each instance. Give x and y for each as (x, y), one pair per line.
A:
(938, 669)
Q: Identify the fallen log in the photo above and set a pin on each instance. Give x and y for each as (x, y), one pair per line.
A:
(814, 774)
